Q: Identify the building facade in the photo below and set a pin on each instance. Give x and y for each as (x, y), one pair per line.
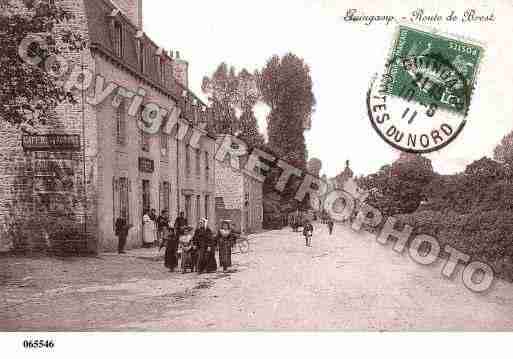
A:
(239, 198)
(93, 162)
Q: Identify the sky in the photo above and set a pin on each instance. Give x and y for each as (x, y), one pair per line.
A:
(343, 57)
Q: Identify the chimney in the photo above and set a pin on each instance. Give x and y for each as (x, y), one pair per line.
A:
(180, 69)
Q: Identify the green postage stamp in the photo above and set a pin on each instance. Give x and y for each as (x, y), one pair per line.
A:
(431, 68)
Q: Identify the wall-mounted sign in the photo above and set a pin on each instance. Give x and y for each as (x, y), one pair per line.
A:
(146, 165)
(51, 142)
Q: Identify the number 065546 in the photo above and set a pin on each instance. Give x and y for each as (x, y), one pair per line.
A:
(38, 344)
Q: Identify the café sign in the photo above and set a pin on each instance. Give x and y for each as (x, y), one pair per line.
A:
(51, 142)
(146, 165)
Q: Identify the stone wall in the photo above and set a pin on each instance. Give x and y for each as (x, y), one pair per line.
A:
(23, 192)
(229, 185)
(242, 197)
(101, 160)
(255, 207)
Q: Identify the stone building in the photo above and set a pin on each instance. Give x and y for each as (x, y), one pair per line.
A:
(239, 197)
(343, 176)
(93, 163)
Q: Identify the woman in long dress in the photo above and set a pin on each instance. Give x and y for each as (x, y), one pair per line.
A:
(170, 259)
(149, 230)
(205, 242)
(225, 239)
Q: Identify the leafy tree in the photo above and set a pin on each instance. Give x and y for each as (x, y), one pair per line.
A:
(229, 93)
(286, 87)
(248, 129)
(226, 121)
(399, 188)
(222, 86)
(247, 94)
(29, 94)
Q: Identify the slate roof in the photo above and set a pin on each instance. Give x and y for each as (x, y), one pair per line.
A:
(102, 39)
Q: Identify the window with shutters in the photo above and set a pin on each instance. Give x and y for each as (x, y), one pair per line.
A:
(124, 199)
(146, 200)
(120, 198)
(198, 162)
(164, 197)
(198, 208)
(121, 125)
(162, 70)
(118, 39)
(166, 188)
(145, 141)
(142, 58)
(188, 208)
(207, 203)
(187, 160)
(164, 146)
(145, 137)
(207, 166)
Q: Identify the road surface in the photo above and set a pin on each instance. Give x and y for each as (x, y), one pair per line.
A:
(346, 281)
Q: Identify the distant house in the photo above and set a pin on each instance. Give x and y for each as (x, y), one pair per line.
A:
(239, 197)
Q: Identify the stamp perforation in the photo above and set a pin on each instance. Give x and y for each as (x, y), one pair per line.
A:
(439, 36)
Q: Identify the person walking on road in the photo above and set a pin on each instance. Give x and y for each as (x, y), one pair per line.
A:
(225, 239)
(122, 232)
(308, 232)
(330, 226)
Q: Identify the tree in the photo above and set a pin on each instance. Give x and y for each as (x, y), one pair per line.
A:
(229, 93)
(29, 94)
(286, 87)
(222, 86)
(399, 188)
(248, 129)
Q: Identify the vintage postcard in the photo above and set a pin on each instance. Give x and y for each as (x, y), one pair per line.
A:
(255, 166)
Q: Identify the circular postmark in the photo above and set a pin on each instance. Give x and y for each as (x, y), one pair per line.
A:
(419, 104)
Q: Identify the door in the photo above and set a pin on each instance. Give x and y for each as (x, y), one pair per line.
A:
(198, 208)
(124, 205)
(146, 202)
(188, 209)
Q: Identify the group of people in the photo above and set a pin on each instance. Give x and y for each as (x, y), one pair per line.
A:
(194, 249)
(197, 248)
(308, 230)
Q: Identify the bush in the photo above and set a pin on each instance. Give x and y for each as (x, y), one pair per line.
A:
(485, 236)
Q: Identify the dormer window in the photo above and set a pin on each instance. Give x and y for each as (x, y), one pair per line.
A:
(118, 39)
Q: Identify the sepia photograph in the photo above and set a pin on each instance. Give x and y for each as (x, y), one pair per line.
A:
(304, 166)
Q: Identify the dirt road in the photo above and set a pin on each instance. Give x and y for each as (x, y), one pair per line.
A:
(347, 281)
